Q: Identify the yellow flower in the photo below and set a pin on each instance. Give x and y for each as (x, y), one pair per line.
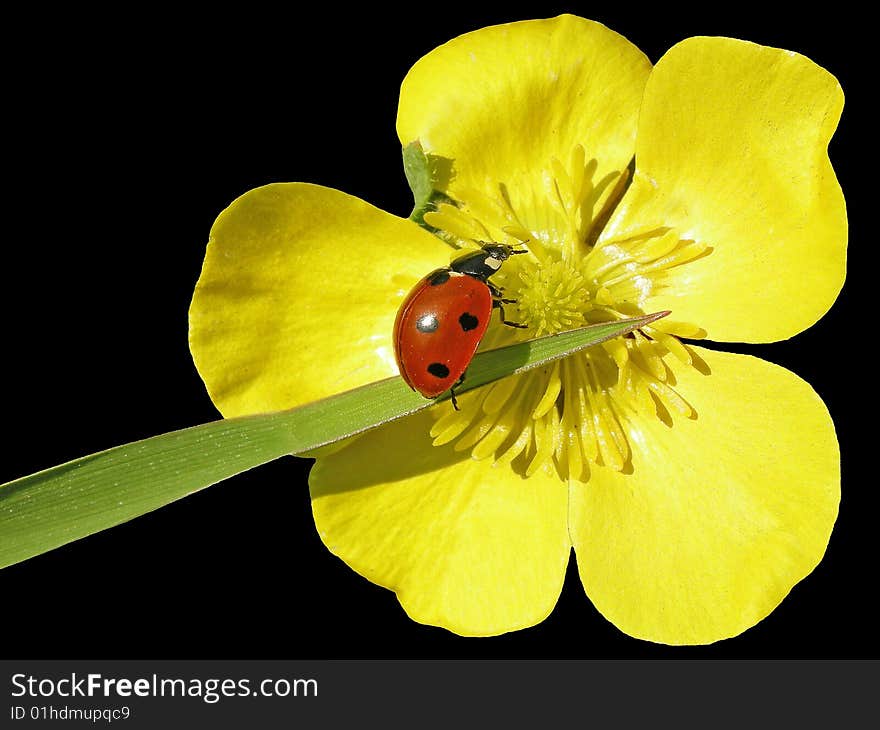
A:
(695, 486)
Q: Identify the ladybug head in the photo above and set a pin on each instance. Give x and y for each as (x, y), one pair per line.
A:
(482, 264)
(500, 251)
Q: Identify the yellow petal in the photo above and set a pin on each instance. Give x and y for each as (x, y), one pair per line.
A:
(298, 295)
(503, 102)
(720, 514)
(732, 151)
(473, 548)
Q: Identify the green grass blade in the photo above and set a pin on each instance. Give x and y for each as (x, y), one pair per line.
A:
(53, 507)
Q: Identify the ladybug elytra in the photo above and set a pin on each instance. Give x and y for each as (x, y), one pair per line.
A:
(444, 317)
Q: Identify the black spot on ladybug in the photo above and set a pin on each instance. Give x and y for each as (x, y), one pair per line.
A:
(441, 277)
(427, 324)
(438, 370)
(468, 322)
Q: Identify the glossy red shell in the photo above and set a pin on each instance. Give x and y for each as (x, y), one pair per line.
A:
(438, 328)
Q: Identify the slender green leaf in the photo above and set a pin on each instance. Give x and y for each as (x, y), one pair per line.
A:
(46, 510)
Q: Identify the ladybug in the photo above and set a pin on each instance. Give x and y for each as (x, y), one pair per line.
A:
(444, 317)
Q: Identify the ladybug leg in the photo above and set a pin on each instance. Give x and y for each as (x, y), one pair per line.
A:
(452, 391)
(499, 304)
(498, 293)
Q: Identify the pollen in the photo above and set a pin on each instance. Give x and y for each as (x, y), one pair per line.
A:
(582, 412)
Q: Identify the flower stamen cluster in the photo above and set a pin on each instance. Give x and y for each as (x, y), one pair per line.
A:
(577, 412)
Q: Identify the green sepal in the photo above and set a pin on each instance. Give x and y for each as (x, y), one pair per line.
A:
(427, 175)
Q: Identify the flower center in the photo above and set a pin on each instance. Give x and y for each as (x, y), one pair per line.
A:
(552, 297)
(578, 412)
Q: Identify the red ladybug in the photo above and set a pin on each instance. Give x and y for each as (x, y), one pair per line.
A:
(444, 317)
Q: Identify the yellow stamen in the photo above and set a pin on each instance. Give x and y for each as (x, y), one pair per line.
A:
(578, 412)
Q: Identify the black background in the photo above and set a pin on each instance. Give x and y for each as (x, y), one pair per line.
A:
(129, 134)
